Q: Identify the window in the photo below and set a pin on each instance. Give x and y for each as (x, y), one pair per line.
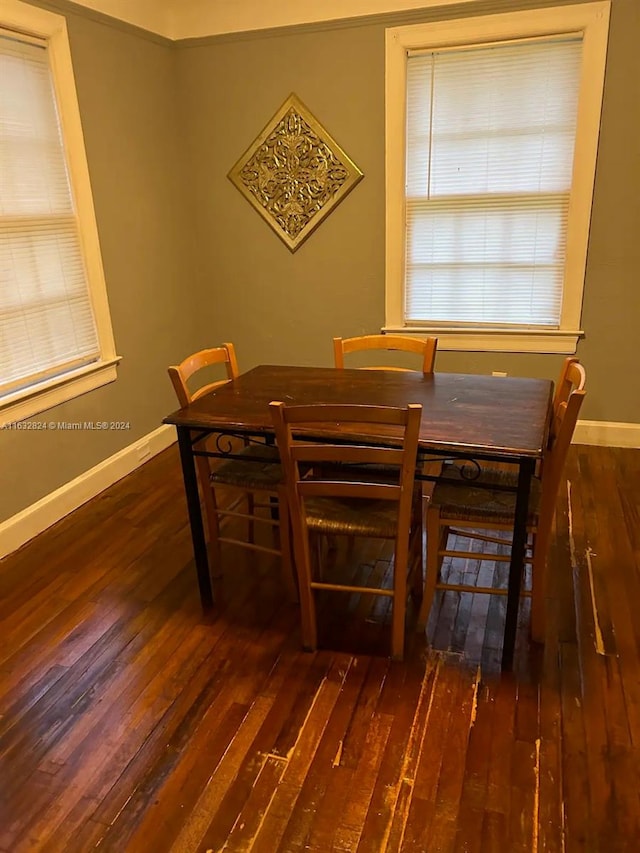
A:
(492, 132)
(56, 340)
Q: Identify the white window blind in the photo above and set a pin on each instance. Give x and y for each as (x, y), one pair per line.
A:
(47, 324)
(490, 143)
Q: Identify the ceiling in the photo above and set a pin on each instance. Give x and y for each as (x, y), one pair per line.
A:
(179, 19)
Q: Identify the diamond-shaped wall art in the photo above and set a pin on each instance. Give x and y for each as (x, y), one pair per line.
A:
(295, 173)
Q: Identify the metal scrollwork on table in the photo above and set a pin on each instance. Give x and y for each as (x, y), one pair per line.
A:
(470, 469)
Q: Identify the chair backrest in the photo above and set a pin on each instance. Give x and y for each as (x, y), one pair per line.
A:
(299, 433)
(424, 347)
(180, 374)
(563, 427)
(572, 378)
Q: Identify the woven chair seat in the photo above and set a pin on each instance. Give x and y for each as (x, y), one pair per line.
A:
(261, 470)
(352, 517)
(471, 503)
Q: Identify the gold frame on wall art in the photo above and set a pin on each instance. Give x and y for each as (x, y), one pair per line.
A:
(294, 173)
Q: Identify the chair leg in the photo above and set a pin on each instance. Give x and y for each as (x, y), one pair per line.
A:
(251, 511)
(434, 544)
(332, 542)
(286, 560)
(274, 508)
(211, 513)
(417, 579)
(399, 607)
(416, 561)
(317, 546)
(302, 554)
(538, 589)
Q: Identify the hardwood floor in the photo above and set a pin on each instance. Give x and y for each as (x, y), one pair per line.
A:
(130, 723)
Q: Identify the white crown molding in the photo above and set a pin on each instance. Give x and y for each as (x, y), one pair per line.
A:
(182, 19)
(20, 528)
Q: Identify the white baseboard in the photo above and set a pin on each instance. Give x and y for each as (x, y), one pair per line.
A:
(607, 434)
(23, 526)
(20, 528)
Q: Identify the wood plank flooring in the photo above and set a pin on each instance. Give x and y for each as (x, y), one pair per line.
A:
(128, 722)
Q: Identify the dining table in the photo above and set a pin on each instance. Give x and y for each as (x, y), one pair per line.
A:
(476, 418)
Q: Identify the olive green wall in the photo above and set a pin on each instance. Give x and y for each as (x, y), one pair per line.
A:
(188, 262)
(282, 307)
(126, 91)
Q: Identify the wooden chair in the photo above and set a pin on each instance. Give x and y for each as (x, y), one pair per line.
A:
(462, 510)
(323, 503)
(572, 378)
(260, 473)
(425, 348)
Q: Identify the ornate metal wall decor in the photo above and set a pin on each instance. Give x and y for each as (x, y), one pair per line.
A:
(295, 173)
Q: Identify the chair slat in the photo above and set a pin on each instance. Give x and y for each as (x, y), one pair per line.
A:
(347, 453)
(424, 347)
(352, 489)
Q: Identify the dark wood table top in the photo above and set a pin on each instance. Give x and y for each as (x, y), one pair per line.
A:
(507, 416)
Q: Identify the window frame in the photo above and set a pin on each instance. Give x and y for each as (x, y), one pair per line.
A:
(591, 20)
(31, 21)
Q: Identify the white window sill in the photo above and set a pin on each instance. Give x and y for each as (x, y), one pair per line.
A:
(482, 340)
(31, 401)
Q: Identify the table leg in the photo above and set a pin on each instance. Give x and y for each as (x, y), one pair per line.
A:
(195, 517)
(517, 560)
